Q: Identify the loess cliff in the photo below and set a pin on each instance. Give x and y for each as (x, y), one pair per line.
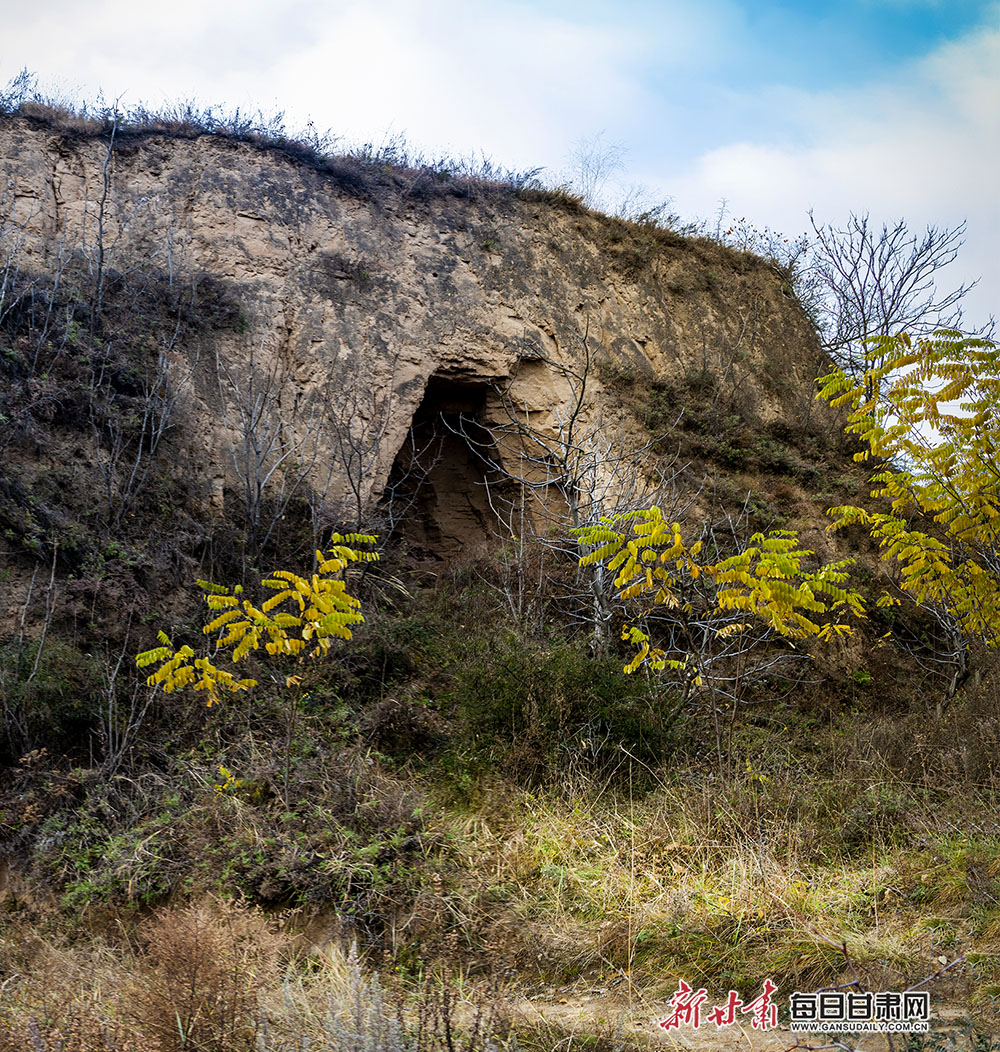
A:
(236, 332)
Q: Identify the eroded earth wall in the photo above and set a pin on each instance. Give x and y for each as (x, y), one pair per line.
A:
(365, 300)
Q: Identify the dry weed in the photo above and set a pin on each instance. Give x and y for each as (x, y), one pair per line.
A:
(62, 999)
(198, 980)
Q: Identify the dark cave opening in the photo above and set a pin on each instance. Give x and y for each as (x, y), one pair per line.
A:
(441, 485)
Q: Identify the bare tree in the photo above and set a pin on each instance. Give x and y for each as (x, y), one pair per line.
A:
(328, 445)
(36, 321)
(719, 660)
(127, 426)
(16, 699)
(123, 704)
(126, 444)
(878, 282)
(361, 415)
(106, 222)
(414, 463)
(274, 442)
(594, 162)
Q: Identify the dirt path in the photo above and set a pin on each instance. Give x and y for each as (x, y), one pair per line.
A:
(600, 1012)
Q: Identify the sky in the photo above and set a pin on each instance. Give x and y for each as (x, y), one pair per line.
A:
(774, 108)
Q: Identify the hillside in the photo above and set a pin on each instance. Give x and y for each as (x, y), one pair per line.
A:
(361, 301)
(216, 353)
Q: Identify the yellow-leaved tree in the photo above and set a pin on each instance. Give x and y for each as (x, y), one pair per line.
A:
(717, 627)
(929, 414)
(300, 620)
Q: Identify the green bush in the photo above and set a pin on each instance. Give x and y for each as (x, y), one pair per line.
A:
(535, 712)
(47, 698)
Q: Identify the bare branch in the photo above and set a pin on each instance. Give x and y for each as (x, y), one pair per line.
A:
(879, 282)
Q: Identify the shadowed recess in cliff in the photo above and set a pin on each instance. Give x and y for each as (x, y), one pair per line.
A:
(439, 491)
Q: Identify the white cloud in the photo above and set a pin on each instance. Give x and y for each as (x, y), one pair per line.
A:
(925, 146)
(457, 77)
(502, 77)
(522, 82)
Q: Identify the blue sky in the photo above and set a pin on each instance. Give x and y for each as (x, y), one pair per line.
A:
(815, 45)
(891, 106)
(821, 45)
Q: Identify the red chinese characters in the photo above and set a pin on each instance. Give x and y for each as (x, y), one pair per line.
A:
(686, 1009)
(686, 1004)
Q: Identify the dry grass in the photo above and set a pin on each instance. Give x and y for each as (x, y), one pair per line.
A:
(223, 977)
(824, 849)
(190, 982)
(721, 881)
(200, 973)
(57, 998)
(728, 881)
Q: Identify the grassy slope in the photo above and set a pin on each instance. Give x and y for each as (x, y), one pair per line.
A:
(434, 818)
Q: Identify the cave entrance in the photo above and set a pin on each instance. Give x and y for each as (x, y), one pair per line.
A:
(440, 488)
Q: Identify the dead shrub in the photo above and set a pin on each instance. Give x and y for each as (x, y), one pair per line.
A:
(344, 1007)
(200, 975)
